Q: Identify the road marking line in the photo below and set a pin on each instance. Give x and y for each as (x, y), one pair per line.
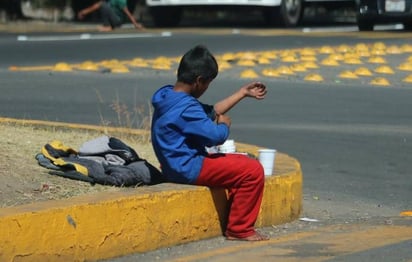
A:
(73, 126)
(344, 243)
(406, 213)
(349, 29)
(88, 37)
(30, 68)
(326, 243)
(330, 30)
(215, 253)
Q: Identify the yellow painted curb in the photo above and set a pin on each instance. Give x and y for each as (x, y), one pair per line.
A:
(110, 224)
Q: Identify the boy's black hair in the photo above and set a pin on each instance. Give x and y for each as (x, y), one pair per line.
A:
(198, 61)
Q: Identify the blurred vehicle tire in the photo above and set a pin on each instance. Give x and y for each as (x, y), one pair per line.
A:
(288, 14)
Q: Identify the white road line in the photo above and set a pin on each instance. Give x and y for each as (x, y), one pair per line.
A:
(349, 28)
(389, 27)
(330, 29)
(88, 37)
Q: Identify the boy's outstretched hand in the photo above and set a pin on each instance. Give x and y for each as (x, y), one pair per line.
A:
(255, 89)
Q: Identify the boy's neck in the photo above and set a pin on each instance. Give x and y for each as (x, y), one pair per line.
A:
(182, 87)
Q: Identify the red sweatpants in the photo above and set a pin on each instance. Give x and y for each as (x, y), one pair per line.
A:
(244, 178)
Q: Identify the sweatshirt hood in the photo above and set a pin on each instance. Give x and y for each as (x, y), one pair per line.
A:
(165, 98)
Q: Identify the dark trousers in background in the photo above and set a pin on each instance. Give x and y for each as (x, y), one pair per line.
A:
(109, 17)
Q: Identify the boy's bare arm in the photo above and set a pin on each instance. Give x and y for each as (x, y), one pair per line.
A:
(224, 119)
(254, 89)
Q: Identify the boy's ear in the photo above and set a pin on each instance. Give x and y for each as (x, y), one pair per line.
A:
(199, 79)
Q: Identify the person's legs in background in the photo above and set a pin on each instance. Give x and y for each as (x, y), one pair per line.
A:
(109, 17)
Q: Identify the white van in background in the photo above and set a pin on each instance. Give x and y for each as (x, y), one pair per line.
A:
(286, 13)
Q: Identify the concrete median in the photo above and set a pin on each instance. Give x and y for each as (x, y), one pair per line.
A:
(110, 224)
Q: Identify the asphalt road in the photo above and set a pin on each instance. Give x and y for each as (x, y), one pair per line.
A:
(353, 139)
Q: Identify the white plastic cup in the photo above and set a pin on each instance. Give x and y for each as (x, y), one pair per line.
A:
(267, 160)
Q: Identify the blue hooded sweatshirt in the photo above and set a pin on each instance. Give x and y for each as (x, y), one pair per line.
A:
(181, 129)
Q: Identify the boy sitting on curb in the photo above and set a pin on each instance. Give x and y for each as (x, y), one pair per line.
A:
(181, 129)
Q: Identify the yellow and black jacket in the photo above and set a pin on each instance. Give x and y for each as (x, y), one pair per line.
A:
(104, 160)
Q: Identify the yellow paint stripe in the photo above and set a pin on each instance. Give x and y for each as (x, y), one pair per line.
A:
(30, 68)
(407, 213)
(75, 126)
(244, 245)
(163, 63)
(361, 240)
(331, 241)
